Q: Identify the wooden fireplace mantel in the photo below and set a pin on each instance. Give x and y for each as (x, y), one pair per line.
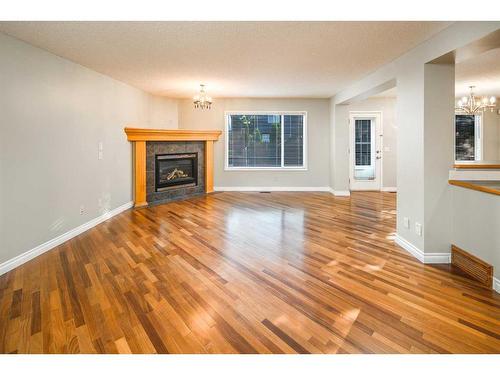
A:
(139, 137)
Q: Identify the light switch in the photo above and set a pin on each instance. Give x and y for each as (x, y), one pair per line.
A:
(100, 148)
(418, 229)
(406, 222)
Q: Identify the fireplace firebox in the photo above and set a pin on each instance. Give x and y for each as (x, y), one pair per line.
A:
(176, 170)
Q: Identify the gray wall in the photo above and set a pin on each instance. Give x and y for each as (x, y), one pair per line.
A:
(491, 136)
(476, 219)
(340, 129)
(54, 114)
(318, 117)
(439, 130)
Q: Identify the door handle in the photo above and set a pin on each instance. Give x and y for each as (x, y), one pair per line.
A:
(378, 157)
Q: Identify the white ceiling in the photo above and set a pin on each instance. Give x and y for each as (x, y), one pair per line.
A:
(391, 93)
(482, 71)
(234, 59)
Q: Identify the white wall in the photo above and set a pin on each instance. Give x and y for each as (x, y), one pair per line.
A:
(491, 136)
(476, 219)
(318, 118)
(439, 131)
(332, 144)
(54, 113)
(388, 108)
(340, 146)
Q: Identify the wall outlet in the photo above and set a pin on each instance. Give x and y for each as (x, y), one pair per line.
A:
(82, 210)
(406, 222)
(418, 229)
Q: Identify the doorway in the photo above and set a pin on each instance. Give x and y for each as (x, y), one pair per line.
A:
(365, 150)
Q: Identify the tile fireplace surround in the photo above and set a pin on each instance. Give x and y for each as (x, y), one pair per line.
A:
(154, 195)
(148, 142)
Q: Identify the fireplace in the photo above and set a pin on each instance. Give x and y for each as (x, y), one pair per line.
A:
(176, 170)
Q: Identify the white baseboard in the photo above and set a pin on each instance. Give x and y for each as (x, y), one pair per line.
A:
(389, 189)
(271, 188)
(340, 193)
(40, 249)
(412, 249)
(437, 258)
(430, 258)
(496, 284)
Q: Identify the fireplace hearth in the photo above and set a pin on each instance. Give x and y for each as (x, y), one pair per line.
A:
(175, 170)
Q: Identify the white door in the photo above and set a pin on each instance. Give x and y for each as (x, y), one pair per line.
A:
(365, 150)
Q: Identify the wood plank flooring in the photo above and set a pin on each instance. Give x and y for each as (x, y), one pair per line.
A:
(245, 273)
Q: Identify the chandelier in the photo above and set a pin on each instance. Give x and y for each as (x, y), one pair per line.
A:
(473, 104)
(202, 100)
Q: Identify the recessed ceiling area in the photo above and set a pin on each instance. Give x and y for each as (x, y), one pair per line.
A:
(391, 93)
(234, 59)
(482, 71)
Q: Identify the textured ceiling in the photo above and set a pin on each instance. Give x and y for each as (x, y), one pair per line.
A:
(482, 71)
(234, 59)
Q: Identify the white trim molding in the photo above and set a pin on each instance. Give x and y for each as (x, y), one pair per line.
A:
(340, 193)
(496, 284)
(271, 188)
(437, 258)
(430, 258)
(412, 249)
(389, 189)
(474, 174)
(44, 247)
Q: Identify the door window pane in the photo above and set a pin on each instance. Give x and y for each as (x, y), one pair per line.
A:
(363, 147)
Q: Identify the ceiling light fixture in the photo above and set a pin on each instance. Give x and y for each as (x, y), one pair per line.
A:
(473, 104)
(202, 100)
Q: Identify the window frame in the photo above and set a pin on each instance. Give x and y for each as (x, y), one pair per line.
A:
(304, 167)
(478, 137)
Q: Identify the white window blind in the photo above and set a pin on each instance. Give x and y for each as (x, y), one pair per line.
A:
(265, 140)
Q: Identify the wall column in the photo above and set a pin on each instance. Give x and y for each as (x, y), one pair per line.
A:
(340, 152)
(425, 114)
(439, 119)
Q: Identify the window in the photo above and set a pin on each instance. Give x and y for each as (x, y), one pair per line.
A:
(274, 140)
(363, 142)
(468, 137)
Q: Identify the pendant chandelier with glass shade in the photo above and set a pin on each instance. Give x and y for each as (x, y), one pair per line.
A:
(473, 104)
(202, 100)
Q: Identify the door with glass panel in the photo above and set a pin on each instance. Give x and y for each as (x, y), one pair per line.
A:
(365, 151)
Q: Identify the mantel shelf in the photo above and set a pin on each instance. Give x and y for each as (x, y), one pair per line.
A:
(138, 134)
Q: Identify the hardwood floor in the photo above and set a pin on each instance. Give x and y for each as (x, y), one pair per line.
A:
(245, 273)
